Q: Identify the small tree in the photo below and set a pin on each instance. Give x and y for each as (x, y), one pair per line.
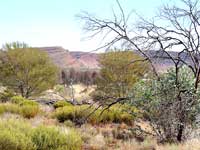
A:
(169, 107)
(27, 71)
(119, 71)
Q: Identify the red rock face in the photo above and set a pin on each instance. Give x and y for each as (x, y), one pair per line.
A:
(77, 60)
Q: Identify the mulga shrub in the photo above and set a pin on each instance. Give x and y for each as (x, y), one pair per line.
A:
(61, 103)
(51, 138)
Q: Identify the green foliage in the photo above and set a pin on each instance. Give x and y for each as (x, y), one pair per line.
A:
(19, 135)
(6, 95)
(119, 71)
(17, 99)
(27, 71)
(61, 103)
(21, 106)
(28, 108)
(11, 108)
(170, 103)
(15, 135)
(74, 140)
(68, 123)
(115, 114)
(52, 138)
(29, 111)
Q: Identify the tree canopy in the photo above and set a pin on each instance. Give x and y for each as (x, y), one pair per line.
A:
(27, 71)
(119, 71)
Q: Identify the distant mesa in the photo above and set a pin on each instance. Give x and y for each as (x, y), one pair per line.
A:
(65, 59)
(79, 60)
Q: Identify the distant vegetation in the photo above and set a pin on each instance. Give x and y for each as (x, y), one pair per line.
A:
(27, 71)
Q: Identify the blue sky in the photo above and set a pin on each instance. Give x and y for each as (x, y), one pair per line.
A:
(53, 22)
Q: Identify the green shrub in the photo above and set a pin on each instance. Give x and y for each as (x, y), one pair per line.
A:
(74, 140)
(27, 110)
(14, 135)
(50, 138)
(65, 113)
(22, 101)
(25, 107)
(17, 99)
(61, 103)
(115, 114)
(19, 135)
(6, 95)
(2, 110)
(69, 123)
(11, 108)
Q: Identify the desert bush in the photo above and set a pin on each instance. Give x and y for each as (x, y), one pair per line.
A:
(22, 101)
(19, 135)
(61, 103)
(74, 140)
(1, 109)
(14, 135)
(11, 108)
(17, 99)
(6, 95)
(51, 138)
(77, 114)
(27, 110)
(170, 104)
(69, 123)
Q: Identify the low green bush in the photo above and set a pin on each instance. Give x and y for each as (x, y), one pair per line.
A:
(17, 99)
(69, 123)
(27, 110)
(22, 101)
(61, 103)
(19, 135)
(74, 140)
(6, 95)
(115, 114)
(15, 135)
(50, 138)
(1, 109)
(11, 108)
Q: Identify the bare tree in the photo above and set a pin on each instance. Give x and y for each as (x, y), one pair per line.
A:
(177, 27)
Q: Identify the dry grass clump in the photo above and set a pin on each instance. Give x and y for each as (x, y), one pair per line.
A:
(27, 110)
(18, 134)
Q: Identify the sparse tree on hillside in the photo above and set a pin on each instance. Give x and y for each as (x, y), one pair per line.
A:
(118, 74)
(27, 71)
